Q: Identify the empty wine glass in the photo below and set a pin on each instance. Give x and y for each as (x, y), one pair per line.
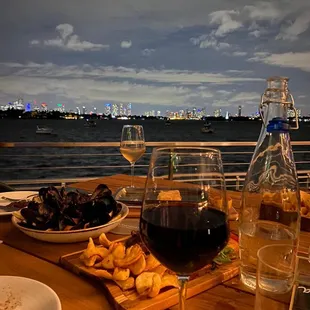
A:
(184, 221)
(132, 145)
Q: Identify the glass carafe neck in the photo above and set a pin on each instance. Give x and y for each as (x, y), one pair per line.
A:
(275, 102)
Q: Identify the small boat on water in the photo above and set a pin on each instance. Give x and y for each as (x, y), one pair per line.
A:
(43, 130)
(90, 123)
(206, 128)
(168, 122)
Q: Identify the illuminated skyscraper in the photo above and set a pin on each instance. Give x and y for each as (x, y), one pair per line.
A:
(298, 112)
(239, 110)
(115, 109)
(78, 111)
(84, 110)
(44, 106)
(129, 111)
(218, 113)
(107, 109)
(121, 109)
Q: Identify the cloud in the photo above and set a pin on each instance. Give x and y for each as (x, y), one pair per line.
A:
(299, 26)
(299, 60)
(263, 11)
(225, 22)
(65, 30)
(126, 44)
(148, 52)
(207, 41)
(88, 84)
(258, 32)
(34, 42)
(246, 97)
(68, 41)
(89, 90)
(106, 72)
(238, 54)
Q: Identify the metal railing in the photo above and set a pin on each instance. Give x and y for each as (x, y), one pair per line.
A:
(30, 165)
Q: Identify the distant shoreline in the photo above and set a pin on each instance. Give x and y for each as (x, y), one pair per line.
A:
(56, 115)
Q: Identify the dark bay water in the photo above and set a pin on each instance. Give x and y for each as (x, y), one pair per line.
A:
(55, 162)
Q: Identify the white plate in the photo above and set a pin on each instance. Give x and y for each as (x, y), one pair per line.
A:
(126, 227)
(19, 195)
(71, 236)
(24, 294)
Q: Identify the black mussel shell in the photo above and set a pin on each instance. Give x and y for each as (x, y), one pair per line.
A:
(72, 198)
(79, 225)
(108, 203)
(29, 215)
(43, 192)
(52, 190)
(32, 205)
(117, 209)
(100, 220)
(101, 191)
(65, 220)
(72, 211)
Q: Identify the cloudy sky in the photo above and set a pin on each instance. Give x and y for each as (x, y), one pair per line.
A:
(157, 54)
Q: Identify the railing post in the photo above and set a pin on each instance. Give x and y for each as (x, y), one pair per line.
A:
(171, 164)
(308, 180)
(237, 183)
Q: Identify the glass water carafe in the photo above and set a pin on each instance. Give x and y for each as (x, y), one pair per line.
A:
(270, 198)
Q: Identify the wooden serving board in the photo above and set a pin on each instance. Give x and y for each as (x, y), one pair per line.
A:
(129, 300)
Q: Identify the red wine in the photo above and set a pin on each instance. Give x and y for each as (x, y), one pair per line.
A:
(183, 237)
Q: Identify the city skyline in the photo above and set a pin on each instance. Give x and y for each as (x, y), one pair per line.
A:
(121, 109)
(158, 55)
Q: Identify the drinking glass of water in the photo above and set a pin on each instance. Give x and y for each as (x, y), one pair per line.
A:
(276, 275)
(132, 145)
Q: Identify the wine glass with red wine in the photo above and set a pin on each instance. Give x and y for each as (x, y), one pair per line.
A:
(184, 219)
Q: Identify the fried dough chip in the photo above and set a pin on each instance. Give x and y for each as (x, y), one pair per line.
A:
(118, 250)
(138, 267)
(102, 252)
(121, 274)
(90, 261)
(132, 255)
(170, 195)
(108, 262)
(159, 270)
(151, 262)
(92, 254)
(148, 284)
(127, 284)
(101, 273)
(169, 280)
(156, 285)
(91, 249)
(144, 283)
(103, 240)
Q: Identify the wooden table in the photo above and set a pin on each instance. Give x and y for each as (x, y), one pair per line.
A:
(23, 256)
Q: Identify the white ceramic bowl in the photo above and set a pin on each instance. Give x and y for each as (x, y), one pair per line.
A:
(71, 235)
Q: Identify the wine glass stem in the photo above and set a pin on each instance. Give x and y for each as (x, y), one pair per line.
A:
(132, 172)
(183, 280)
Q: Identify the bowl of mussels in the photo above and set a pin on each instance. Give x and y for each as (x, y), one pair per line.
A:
(62, 216)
